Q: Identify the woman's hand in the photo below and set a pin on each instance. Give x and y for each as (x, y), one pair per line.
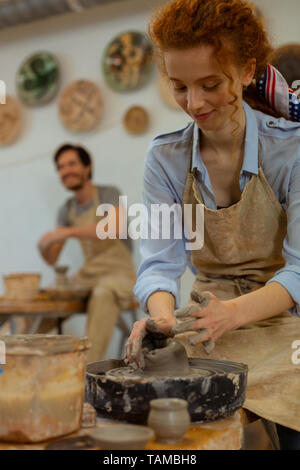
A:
(134, 355)
(218, 317)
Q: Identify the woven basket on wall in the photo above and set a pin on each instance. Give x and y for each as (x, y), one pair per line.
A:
(21, 286)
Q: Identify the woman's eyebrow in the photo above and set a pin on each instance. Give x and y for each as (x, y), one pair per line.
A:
(199, 79)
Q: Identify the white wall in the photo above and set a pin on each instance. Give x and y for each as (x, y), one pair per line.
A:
(30, 190)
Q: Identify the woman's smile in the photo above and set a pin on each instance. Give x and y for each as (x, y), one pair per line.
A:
(203, 116)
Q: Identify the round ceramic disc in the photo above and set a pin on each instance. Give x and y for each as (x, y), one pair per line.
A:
(81, 106)
(10, 121)
(38, 79)
(128, 61)
(136, 120)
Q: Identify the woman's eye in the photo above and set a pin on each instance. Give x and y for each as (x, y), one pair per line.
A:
(213, 87)
(182, 88)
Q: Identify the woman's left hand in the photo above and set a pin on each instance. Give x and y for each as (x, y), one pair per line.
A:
(218, 317)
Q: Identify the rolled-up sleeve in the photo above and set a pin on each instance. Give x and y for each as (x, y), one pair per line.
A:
(289, 275)
(163, 260)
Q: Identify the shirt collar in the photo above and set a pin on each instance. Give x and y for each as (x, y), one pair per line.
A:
(250, 163)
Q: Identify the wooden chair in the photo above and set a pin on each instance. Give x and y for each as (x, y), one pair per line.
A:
(259, 434)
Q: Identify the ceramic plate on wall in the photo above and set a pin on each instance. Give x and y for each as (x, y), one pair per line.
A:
(10, 121)
(81, 106)
(136, 120)
(38, 79)
(128, 61)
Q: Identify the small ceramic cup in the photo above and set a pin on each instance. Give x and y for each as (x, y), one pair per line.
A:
(169, 418)
(61, 279)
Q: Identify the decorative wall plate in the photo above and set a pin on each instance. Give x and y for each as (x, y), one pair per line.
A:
(128, 61)
(38, 79)
(165, 92)
(81, 106)
(136, 120)
(10, 121)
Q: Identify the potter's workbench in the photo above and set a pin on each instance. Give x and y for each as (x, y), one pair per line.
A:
(225, 434)
(37, 310)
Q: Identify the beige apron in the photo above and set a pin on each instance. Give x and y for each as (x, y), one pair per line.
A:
(109, 272)
(242, 250)
(102, 257)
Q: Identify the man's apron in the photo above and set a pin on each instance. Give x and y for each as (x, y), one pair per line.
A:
(102, 257)
(241, 252)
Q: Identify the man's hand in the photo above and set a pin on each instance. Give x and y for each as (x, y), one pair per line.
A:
(58, 235)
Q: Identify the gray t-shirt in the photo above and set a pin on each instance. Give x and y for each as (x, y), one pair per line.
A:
(107, 195)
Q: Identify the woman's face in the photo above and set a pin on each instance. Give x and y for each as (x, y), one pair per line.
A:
(200, 87)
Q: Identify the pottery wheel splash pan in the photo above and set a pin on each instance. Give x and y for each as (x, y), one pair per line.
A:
(215, 392)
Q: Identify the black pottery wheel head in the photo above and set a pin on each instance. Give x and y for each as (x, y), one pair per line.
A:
(213, 389)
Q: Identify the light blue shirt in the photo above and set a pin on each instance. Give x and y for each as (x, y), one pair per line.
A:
(166, 168)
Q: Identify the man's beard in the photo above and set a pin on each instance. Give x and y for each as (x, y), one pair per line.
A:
(75, 187)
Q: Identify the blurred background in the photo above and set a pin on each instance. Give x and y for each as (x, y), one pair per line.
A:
(31, 192)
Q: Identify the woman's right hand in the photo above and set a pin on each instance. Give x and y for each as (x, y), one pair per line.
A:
(134, 353)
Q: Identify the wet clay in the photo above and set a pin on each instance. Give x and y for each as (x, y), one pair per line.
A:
(169, 361)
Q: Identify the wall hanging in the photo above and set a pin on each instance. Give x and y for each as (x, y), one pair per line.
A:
(81, 106)
(136, 120)
(38, 79)
(128, 61)
(10, 121)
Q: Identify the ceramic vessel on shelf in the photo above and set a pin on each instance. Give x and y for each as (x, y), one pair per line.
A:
(169, 418)
(21, 286)
(61, 279)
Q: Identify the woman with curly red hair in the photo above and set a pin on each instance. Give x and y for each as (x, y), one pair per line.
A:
(239, 163)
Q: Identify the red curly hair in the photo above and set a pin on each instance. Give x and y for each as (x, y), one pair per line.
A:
(189, 23)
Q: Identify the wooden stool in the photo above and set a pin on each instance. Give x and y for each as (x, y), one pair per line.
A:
(259, 434)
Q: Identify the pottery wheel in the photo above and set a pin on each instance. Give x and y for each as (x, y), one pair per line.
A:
(170, 361)
(213, 389)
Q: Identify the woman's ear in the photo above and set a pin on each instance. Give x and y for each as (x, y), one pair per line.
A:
(248, 72)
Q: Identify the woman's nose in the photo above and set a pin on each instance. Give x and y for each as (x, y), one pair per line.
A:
(195, 101)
